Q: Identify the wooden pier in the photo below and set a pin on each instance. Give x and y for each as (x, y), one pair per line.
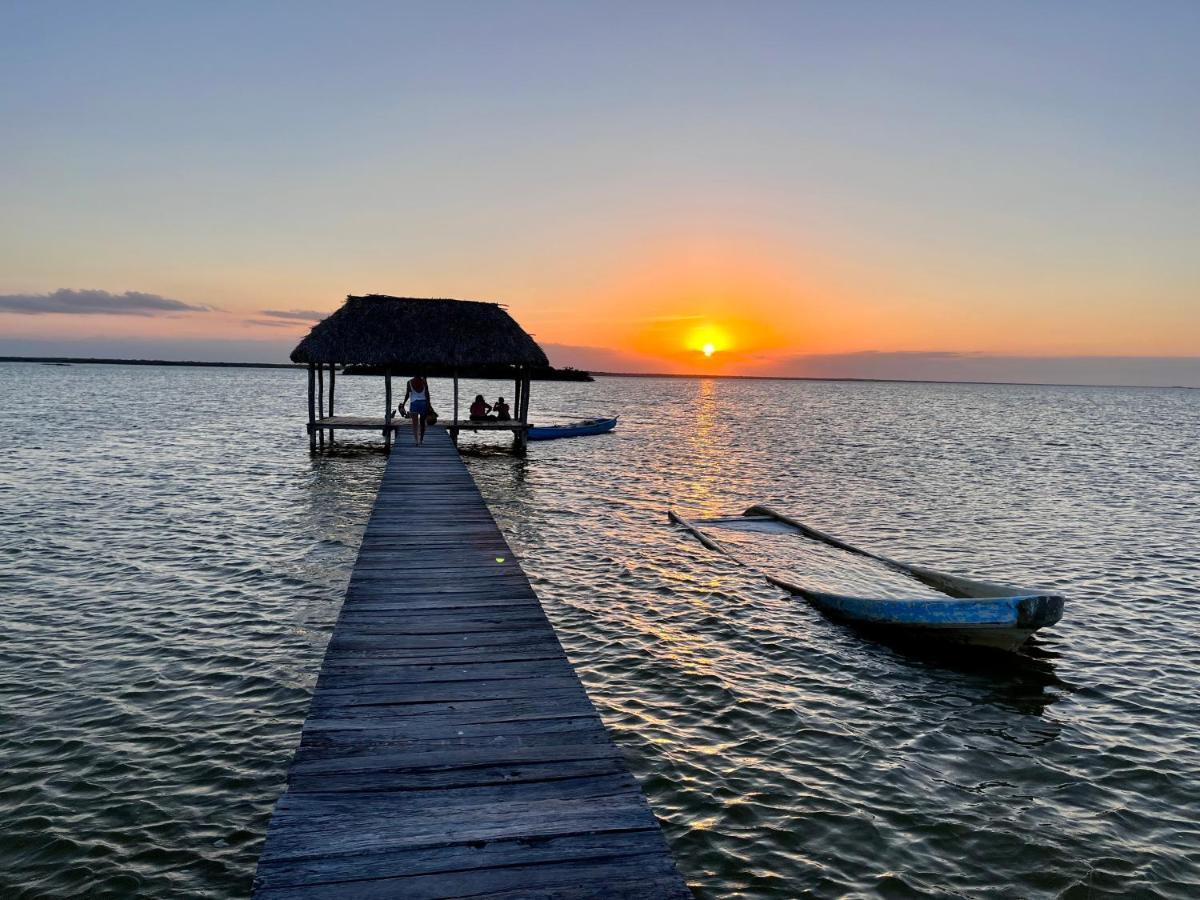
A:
(450, 750)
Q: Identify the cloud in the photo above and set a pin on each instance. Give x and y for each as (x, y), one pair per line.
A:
(669, 319)
(301, 315)
(93, 303)
(276, 323)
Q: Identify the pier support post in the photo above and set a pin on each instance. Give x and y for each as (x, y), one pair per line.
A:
(312, 410)
(454, 431)
(332, 373)
(521, 438)
(321, 403)
(387, 411)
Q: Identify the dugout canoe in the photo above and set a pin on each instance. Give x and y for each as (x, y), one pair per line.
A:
(968, 612)
(571, 429)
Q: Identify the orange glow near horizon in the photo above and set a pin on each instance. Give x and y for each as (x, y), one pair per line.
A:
(690, 299)
(708, 303)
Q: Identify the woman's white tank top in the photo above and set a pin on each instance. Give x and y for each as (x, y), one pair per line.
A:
(414, 394)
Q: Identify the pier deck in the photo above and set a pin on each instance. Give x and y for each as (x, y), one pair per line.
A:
(450, 749)
(373, 423)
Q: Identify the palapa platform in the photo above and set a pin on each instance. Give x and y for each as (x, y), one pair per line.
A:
(450, 750)
(369, 423)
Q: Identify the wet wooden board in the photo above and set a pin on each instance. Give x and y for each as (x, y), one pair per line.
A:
(450, 749)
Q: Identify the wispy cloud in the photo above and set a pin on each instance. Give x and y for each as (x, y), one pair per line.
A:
(668, 319)
(95, 303)
(300, 315)
(275, 323)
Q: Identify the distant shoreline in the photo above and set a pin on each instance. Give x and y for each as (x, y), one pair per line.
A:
(101, 361)
(847, 378)
(87, 360)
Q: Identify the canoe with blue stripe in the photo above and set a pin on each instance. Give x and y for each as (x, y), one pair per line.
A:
(966, 611)
(571, 429)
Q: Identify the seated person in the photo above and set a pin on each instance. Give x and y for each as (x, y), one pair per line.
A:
(479, 409)
(502, 411)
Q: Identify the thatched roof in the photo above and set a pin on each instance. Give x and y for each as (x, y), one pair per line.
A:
(413, 335)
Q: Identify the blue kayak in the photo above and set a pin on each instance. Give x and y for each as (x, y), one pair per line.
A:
(967, 612)
(572, 429)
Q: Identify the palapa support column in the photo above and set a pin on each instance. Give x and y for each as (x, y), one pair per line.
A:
(312, 409)
(387, 412)
(332, 373)
(521, 439)
(453, 430)
(516, 406)
(321, 402)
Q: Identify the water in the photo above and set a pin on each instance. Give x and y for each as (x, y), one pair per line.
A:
(172, 562)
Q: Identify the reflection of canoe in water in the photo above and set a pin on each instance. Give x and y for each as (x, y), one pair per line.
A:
(976, 613)
(572, 429)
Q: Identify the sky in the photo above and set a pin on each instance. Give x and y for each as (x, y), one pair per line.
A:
(919, 190)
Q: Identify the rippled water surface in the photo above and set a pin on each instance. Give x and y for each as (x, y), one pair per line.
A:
(172, 561)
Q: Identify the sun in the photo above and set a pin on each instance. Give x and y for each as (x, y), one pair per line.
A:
(707, 338)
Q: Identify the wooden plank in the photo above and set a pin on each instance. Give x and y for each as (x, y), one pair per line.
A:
(372, 734)
(417, 825)
(382, 803)
(450, 749)
(430, 777)
(513, 867)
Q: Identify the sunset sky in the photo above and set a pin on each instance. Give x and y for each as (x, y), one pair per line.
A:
(874, 189)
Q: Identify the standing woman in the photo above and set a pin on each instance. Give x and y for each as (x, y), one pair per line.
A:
(416, 398)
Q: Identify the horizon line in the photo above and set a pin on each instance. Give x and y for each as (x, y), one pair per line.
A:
(117, 361)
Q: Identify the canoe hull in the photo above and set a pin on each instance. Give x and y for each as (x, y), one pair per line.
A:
(576, 429)
(999, 623)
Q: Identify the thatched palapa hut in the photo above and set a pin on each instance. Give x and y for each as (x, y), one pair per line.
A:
(406, 335)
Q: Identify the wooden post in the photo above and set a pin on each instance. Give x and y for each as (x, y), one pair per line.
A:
(321, 402)
(387, 425)
(312, 409)
(332, 372)
(522, 441)
(454, 431)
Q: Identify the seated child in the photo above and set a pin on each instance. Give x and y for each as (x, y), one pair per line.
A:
(480, 409)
